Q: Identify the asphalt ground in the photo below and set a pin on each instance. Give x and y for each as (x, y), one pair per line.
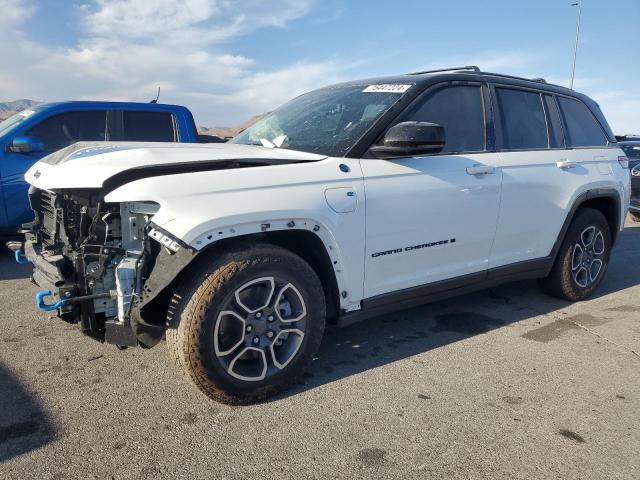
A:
(503, 383)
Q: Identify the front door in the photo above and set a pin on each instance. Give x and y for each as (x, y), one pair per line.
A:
(434, 217)
(55, 132)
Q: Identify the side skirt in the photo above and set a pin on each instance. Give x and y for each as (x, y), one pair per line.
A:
(414, 296)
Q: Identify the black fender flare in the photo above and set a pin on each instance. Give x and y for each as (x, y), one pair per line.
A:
(611, 193)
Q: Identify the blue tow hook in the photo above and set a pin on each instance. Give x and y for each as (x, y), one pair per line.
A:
(40, 296)
(20, 258)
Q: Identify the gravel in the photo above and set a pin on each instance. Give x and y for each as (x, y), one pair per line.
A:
(503, 383)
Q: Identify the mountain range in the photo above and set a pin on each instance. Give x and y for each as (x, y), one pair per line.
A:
(10, 108)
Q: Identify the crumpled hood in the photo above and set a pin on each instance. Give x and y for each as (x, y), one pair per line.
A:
(89, 165)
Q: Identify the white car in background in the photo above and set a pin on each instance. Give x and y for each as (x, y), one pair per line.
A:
(347, 202)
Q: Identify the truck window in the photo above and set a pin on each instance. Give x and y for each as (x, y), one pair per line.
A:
(148, 127)
(66, 129)
(446, 107)
(582, 129)
(522, 121)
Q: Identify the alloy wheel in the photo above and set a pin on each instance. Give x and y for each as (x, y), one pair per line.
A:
(587, 257)
(260, 328)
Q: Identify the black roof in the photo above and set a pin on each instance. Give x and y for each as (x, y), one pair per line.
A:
(470, 73)
(473, 73)
(423, 80)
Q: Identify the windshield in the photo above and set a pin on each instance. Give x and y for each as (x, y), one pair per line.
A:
(327, 121)
(15, 120)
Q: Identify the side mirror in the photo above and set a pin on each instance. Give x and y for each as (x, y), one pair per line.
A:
(26, 145)
(408, 139)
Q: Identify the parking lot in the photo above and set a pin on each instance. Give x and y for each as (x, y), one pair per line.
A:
(504, 383)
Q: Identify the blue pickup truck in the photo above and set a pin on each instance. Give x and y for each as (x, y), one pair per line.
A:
(31, 134)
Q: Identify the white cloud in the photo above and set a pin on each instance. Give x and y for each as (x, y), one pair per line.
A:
(130, 47)
(127, 48)
(13, 13)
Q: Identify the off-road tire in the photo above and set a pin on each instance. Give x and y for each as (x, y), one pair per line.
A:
(561, 282)
(199, 300)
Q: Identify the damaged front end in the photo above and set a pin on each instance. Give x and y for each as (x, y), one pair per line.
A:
(97, 258)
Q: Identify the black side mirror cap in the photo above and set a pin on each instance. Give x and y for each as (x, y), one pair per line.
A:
(408, 139)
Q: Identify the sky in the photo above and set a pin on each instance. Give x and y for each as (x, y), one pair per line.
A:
(230, 59)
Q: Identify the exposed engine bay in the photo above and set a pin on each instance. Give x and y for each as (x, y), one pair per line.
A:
(94, 256)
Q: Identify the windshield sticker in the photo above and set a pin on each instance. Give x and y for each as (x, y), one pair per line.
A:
(387, 88)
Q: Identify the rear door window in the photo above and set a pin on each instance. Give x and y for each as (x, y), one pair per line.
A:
(581, 127)
(460, 110)
(140, 126)
(65, 129)
(522, 120)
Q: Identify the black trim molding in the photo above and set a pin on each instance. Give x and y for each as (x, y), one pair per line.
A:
(414, 296)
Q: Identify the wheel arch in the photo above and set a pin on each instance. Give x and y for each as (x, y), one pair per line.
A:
(606, 200)
(149, 316)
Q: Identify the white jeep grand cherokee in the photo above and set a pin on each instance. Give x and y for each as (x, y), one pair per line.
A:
(347, 202)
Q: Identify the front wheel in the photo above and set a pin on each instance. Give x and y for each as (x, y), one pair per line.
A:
(249, 324)
(582, 259)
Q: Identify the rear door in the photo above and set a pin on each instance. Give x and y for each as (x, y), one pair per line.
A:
(142, 126)
(55, 132)
(544, 163)
(432, 218)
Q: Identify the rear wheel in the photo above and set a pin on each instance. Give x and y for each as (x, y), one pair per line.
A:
(582, 259)
(249, 323)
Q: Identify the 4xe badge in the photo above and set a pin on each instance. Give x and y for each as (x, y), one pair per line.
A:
(164, 240)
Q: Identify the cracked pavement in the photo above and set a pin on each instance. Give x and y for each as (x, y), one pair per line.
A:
(503, 383)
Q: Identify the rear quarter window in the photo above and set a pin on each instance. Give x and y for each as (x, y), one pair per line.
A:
(581, 127)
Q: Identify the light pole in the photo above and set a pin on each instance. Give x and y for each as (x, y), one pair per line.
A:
(575, 49)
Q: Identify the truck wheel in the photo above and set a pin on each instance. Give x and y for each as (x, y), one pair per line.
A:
(582, 259)
(250, 322)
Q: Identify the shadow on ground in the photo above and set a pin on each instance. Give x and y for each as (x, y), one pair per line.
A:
(382, 340)
(386, 339)
(24, 425)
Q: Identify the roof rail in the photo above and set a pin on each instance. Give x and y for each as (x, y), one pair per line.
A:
(475, 69)
(468, 67)
(504, 75)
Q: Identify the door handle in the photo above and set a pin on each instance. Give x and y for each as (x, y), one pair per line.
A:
(481, 170)
(564, 163)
